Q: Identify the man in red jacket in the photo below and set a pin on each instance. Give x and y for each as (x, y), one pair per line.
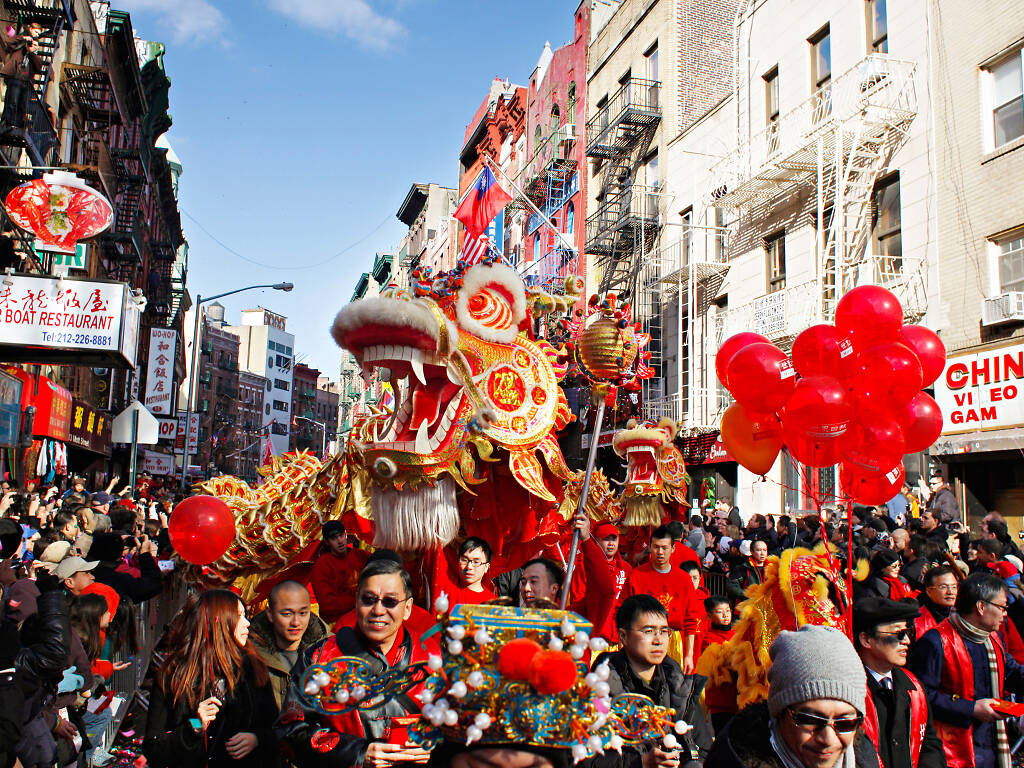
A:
(335, 573)
(674, 589)
(372, 737)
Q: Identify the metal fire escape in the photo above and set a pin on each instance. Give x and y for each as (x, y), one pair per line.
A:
(838, 141)
(626, 223)
(550, 179)
(678, 284)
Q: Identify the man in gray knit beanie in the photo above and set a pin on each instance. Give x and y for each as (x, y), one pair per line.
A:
(814, 663)
(816, 698)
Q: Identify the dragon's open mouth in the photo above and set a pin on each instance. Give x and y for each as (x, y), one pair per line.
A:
(642, 464)
(400, 339)
(428, 393)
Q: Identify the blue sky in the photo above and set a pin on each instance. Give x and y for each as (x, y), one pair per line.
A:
(302, 123)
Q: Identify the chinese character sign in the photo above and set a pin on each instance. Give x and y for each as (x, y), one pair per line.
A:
(59, 209)
(160, 374)
(76, 314)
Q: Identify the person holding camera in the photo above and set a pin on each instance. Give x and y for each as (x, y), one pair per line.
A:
(19, 63)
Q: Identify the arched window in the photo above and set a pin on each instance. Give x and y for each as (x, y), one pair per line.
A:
(571, 105)
(555, 117)
(536, 138)
(536, 246)
(570, 211)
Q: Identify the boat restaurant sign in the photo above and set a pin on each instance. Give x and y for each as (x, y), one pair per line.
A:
(982, 390)
(50, 320)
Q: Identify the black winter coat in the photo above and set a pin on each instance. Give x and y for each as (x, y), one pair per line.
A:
(12, 704)
(172, 742)
(149, 583)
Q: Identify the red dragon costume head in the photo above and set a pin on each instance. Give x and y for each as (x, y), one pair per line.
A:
(470, 385)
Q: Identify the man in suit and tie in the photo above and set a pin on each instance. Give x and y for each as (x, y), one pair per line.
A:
(896, 718)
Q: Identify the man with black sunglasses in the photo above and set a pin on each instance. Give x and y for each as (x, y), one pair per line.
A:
(374, 737)
(812, 719)
(897, 719)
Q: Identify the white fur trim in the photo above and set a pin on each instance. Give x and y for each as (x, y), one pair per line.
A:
(381, 310)
(480, 277)
(638, 435)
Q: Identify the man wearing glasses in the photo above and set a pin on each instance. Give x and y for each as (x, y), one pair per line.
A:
(812, 719)
(473, 564)
(937, 599)
(374, 737)
(965, 671)
(642, 666)
(897, 719)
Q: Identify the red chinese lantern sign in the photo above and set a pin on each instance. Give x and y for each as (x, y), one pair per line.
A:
(59, 209)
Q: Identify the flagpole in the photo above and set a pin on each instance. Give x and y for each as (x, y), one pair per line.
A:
(561, 237)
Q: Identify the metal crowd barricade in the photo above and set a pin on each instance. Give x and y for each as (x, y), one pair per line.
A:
(151, 620)
(715, 583)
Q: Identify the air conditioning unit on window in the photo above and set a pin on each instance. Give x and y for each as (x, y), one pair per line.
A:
(567, 132)
(1005, 308)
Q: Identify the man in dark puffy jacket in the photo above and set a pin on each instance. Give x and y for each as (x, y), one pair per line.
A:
(38, 665)
(642, 666)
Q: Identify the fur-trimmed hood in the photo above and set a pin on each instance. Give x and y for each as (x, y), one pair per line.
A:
(262, 636)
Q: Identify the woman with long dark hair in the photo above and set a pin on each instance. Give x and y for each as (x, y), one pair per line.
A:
(212, 703)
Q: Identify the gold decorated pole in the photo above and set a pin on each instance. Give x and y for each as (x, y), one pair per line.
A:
(603, 354)
(591, 459)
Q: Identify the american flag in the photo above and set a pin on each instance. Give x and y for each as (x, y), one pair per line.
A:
(474, 249)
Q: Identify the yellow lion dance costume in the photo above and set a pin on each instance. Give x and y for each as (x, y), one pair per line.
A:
(801, 587)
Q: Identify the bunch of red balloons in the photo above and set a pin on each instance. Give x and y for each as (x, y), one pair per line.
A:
(850, 394)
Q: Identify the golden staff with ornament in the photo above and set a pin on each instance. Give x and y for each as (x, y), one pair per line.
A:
(608, 351)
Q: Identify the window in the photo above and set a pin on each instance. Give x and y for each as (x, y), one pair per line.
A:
(625, 82)
(570, 218)
(821, 71)
(1007, 100)
(771, 108)
(886, 240)
(570, 102)
(687, 242)
(270, 362)
(279, 429)
(1011, 264)
(269, 385)
(536, 137)
(651, 62)
(284, 362)
(720, 235)
(280, 405)
(281, 384)
(267, 408)
(878, 27)
(775, 248)
(555, 118)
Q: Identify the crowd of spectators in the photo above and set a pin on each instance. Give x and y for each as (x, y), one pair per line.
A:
(935, 602)
(76, 567)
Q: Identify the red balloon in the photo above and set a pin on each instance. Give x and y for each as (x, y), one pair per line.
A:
(201, 529)
(886, 377)
(874, 442)
(811, 451)
(729, 348)
(753, 439)
(821, 350)
(871, 487)
(820, 408)
(869, 315)
(761, 377)
(928, 347)
(921, 421)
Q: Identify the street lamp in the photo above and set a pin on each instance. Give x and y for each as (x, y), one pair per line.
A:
(323, 436)
(195, 357)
